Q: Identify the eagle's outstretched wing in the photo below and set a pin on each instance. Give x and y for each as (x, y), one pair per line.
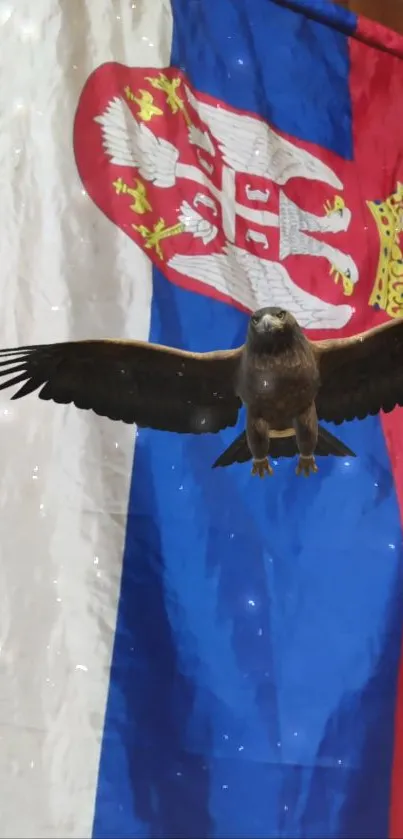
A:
(361, 375)
(254, 282)
(249, 145)
(130, 142)
(134, 381)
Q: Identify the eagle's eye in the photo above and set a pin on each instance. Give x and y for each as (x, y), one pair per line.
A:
(255, 319)
(281, 315)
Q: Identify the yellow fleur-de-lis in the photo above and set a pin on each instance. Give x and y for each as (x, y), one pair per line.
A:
(170, 87)
(152, 238)
(146, 104)
(141, 203)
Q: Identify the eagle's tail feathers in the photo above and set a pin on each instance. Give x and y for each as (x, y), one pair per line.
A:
(328, 444)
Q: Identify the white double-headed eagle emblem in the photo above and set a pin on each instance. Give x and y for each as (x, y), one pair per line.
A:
(249, 146)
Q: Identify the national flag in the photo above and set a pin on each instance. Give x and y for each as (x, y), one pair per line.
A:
(254, 676)
(189, 652)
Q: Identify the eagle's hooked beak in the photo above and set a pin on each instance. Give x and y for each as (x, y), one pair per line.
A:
(268, 323)
(348, 285)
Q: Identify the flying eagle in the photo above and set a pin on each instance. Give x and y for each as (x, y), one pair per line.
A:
(286, 382)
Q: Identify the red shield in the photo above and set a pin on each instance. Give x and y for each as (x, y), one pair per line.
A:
(224, 204)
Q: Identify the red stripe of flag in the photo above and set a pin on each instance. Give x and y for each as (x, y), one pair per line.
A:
(393, 431)
(378, 151)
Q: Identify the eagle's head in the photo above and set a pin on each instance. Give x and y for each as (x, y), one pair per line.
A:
(272, 327)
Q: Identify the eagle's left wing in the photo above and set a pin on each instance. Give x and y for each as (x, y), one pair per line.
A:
(133, 381)
(129, 142)
(361, 375)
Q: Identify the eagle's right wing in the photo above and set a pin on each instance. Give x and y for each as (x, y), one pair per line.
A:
(254, 282)
(134, 381)
(362, 375)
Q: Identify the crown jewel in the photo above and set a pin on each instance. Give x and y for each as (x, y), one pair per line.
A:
(387, 293)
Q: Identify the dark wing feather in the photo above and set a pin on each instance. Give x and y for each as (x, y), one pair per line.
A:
(137, 382)
(361, 375)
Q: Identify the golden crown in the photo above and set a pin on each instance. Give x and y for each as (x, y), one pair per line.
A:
(387, 293)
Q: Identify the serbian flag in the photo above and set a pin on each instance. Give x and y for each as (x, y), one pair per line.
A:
(254, 682)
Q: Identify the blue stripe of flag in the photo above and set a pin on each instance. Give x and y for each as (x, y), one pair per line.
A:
(254, 668)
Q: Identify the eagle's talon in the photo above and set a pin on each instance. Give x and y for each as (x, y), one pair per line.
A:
(262, 468)
(306, 466)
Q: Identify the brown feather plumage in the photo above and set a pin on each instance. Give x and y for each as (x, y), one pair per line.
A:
(136, 382)
(361, 375)
(285, 380)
